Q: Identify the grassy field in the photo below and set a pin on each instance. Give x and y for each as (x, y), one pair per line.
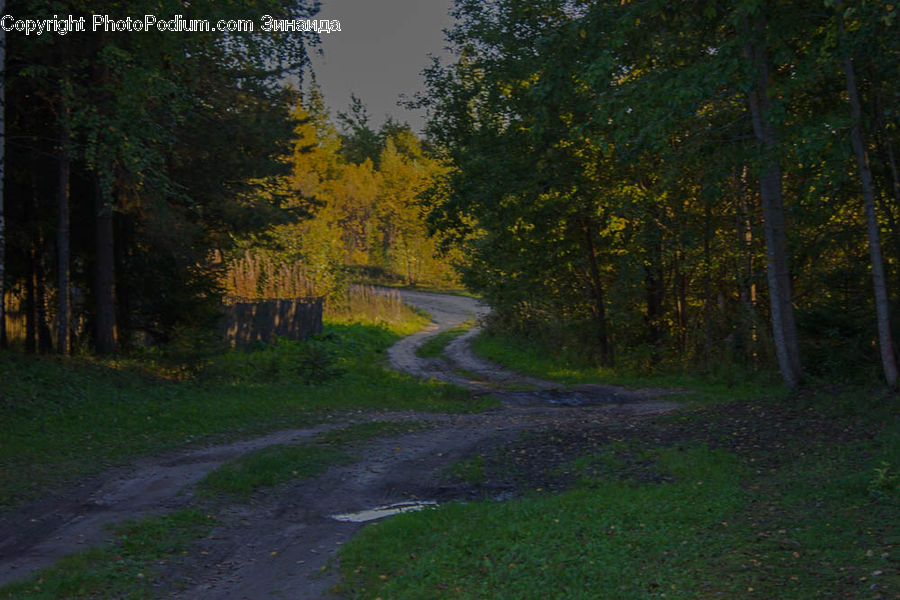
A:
(64, 420)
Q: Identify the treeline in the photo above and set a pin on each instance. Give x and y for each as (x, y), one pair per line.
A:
(695, 183)
(368, 223)
(130, 158)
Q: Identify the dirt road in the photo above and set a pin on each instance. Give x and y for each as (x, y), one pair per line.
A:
(279, 544)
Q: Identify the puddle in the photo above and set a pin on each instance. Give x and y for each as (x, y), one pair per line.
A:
(380, 512)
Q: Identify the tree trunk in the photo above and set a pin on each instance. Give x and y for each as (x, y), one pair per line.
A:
(886, 149)
(2, 194)
(30, 322)
(104, 271)
(784, 330)
(707, 286)
(62, 234)
(606, 355)
(745, 275)
(44, 337)
(882, 307)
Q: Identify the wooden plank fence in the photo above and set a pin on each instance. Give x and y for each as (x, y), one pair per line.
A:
(248, 321)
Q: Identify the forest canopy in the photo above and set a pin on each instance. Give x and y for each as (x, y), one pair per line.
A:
(691, 184)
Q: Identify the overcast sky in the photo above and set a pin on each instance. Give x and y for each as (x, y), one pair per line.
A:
(379, 53)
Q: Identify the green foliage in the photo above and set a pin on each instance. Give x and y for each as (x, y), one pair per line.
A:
(604, 175)
(313, 361)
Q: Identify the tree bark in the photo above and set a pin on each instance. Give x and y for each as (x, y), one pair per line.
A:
(606, 355)
(3, 340)
(30, 324)
(784, 330)
(44, 337)
(104, 272)
(62, 236)
(882, 307)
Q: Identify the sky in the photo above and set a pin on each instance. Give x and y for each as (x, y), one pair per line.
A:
(379, 53)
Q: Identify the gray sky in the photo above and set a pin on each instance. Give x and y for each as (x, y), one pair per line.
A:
(379, 53)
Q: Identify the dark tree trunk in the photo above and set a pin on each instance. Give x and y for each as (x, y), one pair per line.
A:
(104, 272)
(30, 320)
(882, 307)
(784, 330)
(606, 354)
(707, 285)
(745, 274)
(63, 318)
(654, 284)
(886, 149)
(3, 341)
(44, 337)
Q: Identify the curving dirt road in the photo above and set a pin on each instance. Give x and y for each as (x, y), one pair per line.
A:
(279, 544)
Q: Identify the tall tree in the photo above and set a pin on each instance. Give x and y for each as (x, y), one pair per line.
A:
(784, 330)
(2, 179)
(873, 229)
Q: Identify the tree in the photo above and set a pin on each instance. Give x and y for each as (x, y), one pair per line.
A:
(872, 227)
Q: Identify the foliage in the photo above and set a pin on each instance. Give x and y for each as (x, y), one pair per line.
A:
(604, 176)
(158, 149)
(369, 223)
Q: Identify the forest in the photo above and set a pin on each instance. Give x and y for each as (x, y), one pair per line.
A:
(617, 322)
(652, 186)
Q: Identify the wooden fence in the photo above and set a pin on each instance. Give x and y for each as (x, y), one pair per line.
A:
(249, 321)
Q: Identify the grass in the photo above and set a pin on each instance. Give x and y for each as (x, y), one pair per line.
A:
(573, 545)
(281, 463)
(65, 420)
(127, 567)
(532, 358)
(435, 345)
(754, 499)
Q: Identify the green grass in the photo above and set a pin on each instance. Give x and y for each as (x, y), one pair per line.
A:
(64, 420)
(532, 358)
(127, 567)
(797, 502)
(470, 470)
(434, 346)
(611, 540)
(281, 463)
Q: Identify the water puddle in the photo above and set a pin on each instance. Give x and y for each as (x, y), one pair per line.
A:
(380, 512)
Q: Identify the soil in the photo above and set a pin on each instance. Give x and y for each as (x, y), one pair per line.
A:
(282, 543)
